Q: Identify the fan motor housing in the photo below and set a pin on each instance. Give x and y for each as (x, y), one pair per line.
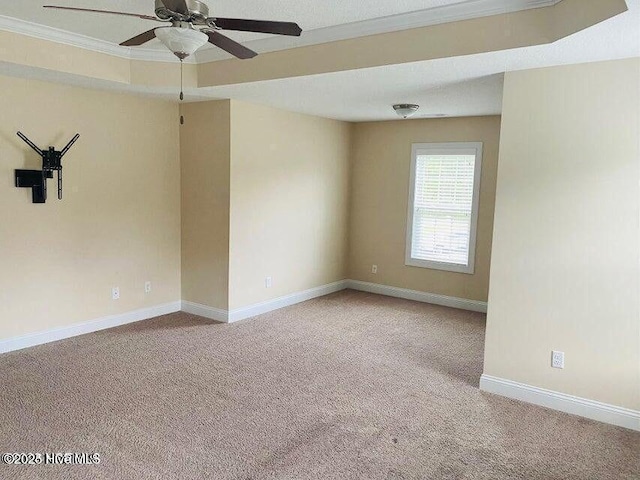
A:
(197, 10)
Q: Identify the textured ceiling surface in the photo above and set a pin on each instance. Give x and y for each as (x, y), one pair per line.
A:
(310, 14)
(459, 86)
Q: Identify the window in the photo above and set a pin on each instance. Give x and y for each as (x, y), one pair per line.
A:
(443, 206)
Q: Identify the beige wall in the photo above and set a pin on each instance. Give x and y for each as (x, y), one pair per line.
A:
(119, 221)
(58, 57)
(379, 200)
(485, 34)
(289, 211)
(565, 271)
(205, 148)
(35, 52)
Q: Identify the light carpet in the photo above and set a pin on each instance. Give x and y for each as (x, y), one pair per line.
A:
(347, 386)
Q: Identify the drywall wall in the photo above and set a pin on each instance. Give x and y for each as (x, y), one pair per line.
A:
(205, 148)
(565, 271)
(119, 221)
(59, 61)
(492, 33)
(24, 51)
(289, 202)
(380, 195)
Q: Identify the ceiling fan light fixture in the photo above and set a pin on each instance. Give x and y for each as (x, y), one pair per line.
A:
(182, 41)
(405, 110)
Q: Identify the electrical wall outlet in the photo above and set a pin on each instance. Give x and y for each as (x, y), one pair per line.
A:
(557, 359)
(267, 282)
(374, 268)
(115, 293)
(147, 287)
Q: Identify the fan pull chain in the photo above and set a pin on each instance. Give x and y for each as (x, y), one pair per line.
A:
(181, 89)
(181, 92)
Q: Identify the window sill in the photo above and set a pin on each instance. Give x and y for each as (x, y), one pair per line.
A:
(447, 267)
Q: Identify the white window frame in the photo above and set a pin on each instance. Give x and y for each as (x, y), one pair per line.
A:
(458, 148)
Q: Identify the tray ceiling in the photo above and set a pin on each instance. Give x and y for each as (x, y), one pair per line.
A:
(454, 86)
(322, 21)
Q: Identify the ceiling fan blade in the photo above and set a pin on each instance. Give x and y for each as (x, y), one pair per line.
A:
(140, 39)
(177, 6)
(144, 17)
(261, 26)
(231, 46)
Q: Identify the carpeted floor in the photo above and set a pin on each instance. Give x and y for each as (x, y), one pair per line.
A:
(348, 386)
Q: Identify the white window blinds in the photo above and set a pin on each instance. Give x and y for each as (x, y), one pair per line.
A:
(443, 207)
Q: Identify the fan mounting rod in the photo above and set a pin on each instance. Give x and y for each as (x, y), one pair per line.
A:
(192, 27)
(197, 11)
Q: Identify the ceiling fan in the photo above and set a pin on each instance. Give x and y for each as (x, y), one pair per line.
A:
(192, 27)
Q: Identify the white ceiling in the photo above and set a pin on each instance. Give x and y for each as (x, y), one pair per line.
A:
(321, 22)
(461, 86)
(310, 15)
(458, 86)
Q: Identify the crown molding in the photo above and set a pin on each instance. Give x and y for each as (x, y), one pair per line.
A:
(44, 32)
(465, 10)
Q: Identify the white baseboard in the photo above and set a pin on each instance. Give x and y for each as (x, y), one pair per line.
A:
(592, 409)
(235, 315)
(297, 297)
(262, 307)
(455, 302)
(205, 311)
(33, 339)
(292, 299)
(602, 412)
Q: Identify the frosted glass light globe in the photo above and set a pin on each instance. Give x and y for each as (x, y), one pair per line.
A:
(181, 41)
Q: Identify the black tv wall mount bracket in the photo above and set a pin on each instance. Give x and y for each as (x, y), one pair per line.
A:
(37, 179)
